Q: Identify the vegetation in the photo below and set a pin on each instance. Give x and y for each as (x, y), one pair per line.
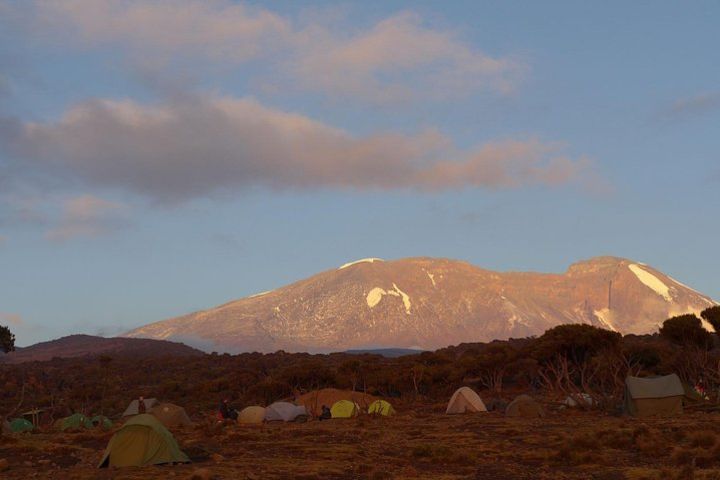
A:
(7, 340)
(566, 359)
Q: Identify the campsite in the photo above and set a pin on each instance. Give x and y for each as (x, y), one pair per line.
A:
(547, 407)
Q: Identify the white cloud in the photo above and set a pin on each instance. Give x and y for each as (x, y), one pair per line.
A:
(217, 29)
(190, 148)
(398, 58)
(86, 216)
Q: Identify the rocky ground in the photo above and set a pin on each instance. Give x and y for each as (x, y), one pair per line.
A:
(423, 443)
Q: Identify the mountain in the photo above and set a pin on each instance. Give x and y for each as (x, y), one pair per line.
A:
(88, 345)
(426, 303)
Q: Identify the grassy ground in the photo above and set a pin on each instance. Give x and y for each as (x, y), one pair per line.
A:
(420, 444)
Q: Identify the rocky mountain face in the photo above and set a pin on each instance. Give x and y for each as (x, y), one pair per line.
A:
(429, 303)
(89, 346)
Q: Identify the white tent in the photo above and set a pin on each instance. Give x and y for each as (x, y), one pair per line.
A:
(465, 400)
(284, 412)
(132, 409)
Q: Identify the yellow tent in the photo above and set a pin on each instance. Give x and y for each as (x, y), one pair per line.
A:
(345, 409)
(143, 440)
(465, 400)
(381, 407)
(252, 415)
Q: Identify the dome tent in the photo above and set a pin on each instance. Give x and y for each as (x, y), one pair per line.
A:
(465, 400)
(102, 421)
(252, 415)
(285, 412)
(524, 406)
(381, 407)
(170, 415)
(19, 425)
(142, 441)
(132, 408)
(345, 409)
(75, 422)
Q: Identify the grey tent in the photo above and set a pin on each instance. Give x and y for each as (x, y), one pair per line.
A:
(660, 396)
(285, 412)
(132, 409)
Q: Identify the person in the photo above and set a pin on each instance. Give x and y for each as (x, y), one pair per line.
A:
(226, 411)
(325, 415)
(141, 405)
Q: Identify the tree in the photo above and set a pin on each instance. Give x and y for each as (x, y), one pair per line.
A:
(564, 354)
(7, 340)
(686, 330)
(712, 316)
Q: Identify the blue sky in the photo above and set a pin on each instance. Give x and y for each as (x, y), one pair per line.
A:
(162, 157)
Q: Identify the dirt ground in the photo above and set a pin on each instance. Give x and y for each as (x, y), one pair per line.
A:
(423, 443)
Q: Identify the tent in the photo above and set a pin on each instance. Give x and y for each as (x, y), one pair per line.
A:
(132, 409)
(381, 407)
(252, 415)
(345, 409)
(524, 406)
(76, 421)
(645, 397)
(102, 422)
(465, 400)
(19, 425)
(170, 415)
(143, 440)
(315, 399)
(285, 412)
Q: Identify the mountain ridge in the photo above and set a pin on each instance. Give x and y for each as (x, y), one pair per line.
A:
(429, 303)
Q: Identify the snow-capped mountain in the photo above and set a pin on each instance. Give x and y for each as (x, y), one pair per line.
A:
(429, 303)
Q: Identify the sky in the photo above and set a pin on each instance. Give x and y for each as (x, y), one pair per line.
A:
(161, 157)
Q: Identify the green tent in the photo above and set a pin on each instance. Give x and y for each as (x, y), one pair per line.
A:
(19, 425)
(143, 440)
(381, 407)
(101, 421)
(76, 421)
(345, 409)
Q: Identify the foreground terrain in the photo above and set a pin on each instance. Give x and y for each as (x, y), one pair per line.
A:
(420, 442)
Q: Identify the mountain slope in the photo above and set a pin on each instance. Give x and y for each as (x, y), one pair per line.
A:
(430, 303)
(88, 345)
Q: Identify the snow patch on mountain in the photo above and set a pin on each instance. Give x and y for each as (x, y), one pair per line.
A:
(376, 295)
(605, 317)
(432, 278)
(362, 260)
(651, 281)
(260, 294)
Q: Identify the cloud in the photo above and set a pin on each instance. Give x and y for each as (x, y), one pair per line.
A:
(220, 30)
(86, 216)
(398, 58)
(694, 106)
(11, 319)
(194, 147)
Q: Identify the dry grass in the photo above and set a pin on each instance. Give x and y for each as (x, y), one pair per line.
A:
(425, 445)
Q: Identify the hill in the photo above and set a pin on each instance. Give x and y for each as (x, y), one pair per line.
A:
(426, 303)
(88, 345)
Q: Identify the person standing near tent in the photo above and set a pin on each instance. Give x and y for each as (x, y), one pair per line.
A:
(326, 414)
(226, 411)
(141, 405)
